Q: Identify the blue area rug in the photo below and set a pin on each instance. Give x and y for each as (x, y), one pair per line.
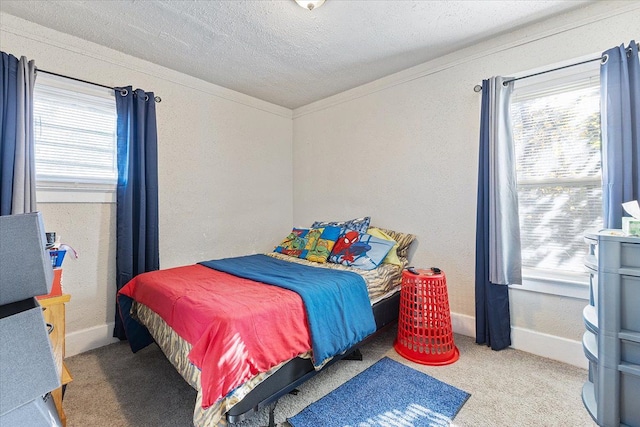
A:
(386, 394)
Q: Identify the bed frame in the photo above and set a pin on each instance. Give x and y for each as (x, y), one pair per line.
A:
(297, 371)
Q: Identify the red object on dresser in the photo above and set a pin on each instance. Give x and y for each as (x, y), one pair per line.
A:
(56, 287)
(424, 324)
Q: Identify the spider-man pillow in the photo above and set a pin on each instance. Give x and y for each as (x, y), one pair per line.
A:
(360, 250)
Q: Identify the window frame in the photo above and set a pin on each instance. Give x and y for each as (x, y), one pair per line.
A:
(69, 191)
(574, 285)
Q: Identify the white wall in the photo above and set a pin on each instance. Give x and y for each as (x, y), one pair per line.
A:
(404, 149)
(224, 171)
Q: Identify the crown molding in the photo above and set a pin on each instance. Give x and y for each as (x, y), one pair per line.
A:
(467, 55)
(36, 32)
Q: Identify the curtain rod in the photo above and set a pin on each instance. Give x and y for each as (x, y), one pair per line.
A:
(601, 58)
(478, 88)
(604, 58)
(39, 70)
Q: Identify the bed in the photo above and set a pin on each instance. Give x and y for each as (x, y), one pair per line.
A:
(246, 375)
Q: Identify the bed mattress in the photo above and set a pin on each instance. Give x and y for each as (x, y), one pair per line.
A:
(381, 283)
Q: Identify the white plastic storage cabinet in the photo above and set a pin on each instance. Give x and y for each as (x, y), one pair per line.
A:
(612, 319)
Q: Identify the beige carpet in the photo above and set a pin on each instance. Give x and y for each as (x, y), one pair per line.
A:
(113, 387)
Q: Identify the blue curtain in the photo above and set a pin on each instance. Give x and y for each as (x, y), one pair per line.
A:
(498, 255)
(137, 202)
(17, 161)
(620, 123)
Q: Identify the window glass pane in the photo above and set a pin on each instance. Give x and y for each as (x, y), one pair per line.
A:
(558, 136)
(75, 136)
(553, 219)
(557, 142)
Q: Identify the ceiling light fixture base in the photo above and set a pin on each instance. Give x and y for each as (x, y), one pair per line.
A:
(310, 4)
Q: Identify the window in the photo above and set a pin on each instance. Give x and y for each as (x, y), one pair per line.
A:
(556, 126)
(75, 139)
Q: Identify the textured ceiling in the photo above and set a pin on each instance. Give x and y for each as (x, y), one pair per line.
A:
(279, 52)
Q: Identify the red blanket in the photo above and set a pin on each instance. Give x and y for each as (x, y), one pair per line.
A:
(237, 327)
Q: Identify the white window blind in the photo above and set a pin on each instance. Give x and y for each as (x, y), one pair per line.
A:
(75, 134)
(557, 138)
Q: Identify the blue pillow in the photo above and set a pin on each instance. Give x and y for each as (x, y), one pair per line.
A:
(361, 225)
(360, 250)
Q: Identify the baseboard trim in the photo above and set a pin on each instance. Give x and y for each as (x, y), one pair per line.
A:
(463, 324)
(549, 346)
(87, 339)
(538, 343)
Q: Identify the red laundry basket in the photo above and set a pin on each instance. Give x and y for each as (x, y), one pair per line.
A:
(424, 324)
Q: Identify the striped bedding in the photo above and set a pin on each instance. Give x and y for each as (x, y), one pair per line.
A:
(379, 281)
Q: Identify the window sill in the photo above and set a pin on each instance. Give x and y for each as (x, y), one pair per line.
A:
(105, 194)
(573, 288)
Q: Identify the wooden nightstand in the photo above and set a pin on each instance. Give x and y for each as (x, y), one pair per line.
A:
(54, 314)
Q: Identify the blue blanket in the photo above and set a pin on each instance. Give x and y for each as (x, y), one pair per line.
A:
(337, 303)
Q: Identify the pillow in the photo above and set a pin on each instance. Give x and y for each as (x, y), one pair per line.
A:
(358, 224)
(392, 256)
(299, 242)
(404, 240)
(360, 250)
(324, 244)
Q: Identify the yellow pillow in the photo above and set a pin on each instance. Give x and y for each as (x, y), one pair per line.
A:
(392, 256)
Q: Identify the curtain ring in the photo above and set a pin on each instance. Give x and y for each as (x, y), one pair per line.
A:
(124, 92)
(146, 97)
(477, 88)
(604, 59)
